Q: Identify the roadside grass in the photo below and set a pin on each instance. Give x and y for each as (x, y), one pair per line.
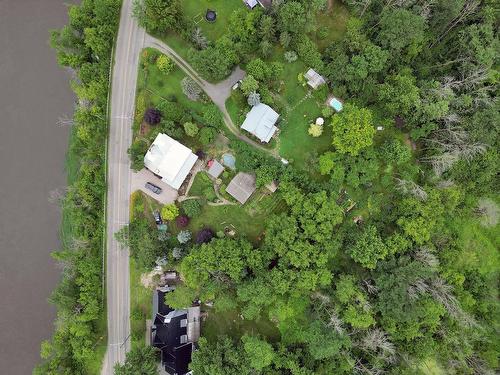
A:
(140, 305)
(335, 20)
(94, 366)
(229, 323)
(196, 10)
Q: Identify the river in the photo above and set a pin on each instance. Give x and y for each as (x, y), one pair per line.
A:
(34, 93)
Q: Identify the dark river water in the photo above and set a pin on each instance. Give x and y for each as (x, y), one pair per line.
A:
(34, 93)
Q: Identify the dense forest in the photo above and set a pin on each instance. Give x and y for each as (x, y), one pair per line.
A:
(83, 46)
(414, 284)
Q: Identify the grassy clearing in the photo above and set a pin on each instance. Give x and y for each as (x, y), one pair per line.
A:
(335, 21)
(202, 187)
(229, 323)
(196, 9)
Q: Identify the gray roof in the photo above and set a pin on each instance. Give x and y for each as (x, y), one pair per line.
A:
(314, 79)
(260, 122)
(215, 169)
(242, 186)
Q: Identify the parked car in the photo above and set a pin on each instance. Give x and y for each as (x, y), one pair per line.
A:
(155, 189)
(157, 217)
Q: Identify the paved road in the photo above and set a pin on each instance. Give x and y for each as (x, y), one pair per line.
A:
(128, 46)
(218, 92)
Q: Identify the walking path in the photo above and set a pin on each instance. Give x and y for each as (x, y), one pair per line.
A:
(218, 92)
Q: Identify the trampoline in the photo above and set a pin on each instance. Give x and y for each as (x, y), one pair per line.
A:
(211, 15)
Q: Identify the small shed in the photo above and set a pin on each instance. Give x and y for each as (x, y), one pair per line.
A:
(251, 3)
(215, 168)
(272, 187)
(314, 79)
(242, 187)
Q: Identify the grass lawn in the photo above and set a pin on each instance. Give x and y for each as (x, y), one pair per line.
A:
(248, 220)
(230, 324)
(202, 185)
(140, 304)
(196, 9)
(296, 145)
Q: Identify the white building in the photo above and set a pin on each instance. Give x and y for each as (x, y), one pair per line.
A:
(260, 122)
(314, 79)
(170, 160)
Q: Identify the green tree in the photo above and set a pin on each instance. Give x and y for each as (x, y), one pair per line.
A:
(352, 129)
(260, 353)
(141, 360)
(158, 16)
(207, 135)
(169, 212)
(399, 94)
(368, 248)
(182, 297)
(249, 84)
(220, 358)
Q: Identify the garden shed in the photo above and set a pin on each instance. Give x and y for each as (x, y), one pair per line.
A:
(242, 187)
(215, 168)
(260, 122)
(314, 79)
(251, 3)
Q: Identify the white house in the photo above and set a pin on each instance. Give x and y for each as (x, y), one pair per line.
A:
(260, 122)
(170, 160)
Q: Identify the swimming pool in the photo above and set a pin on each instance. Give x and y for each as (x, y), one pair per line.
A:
(336, 104)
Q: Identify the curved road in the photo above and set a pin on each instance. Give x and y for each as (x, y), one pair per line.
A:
(130, 41)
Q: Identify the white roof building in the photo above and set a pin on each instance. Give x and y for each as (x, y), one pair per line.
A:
(251, 3)
(170, 160)
(260, 122)
(314, 79)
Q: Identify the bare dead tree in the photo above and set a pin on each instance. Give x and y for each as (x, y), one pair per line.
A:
(370, 287)
(425, 256)
(376, 340)
(488, 211)
(453, 144)
(469, 8)
(411, 188)
(445, 184)
(199, 39)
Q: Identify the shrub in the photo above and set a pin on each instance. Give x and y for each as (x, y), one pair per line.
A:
(213, 117)
(253, 99)
(204, 236)
(169, 212)
(164, 64)
(207, 135)
(290, 56)
(182, 221)
(177, 253)
(394, 151)
(184, 236)
(249, 85)
(190, 129)
(152, 116)
(327, 112)
(191, 207)
(322, 32)
(136, 152)
(191, 89)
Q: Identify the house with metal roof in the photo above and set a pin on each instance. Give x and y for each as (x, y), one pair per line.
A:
(170, 160)
(314, 79)
(242, 187)
(260, 122)
(170, 334)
